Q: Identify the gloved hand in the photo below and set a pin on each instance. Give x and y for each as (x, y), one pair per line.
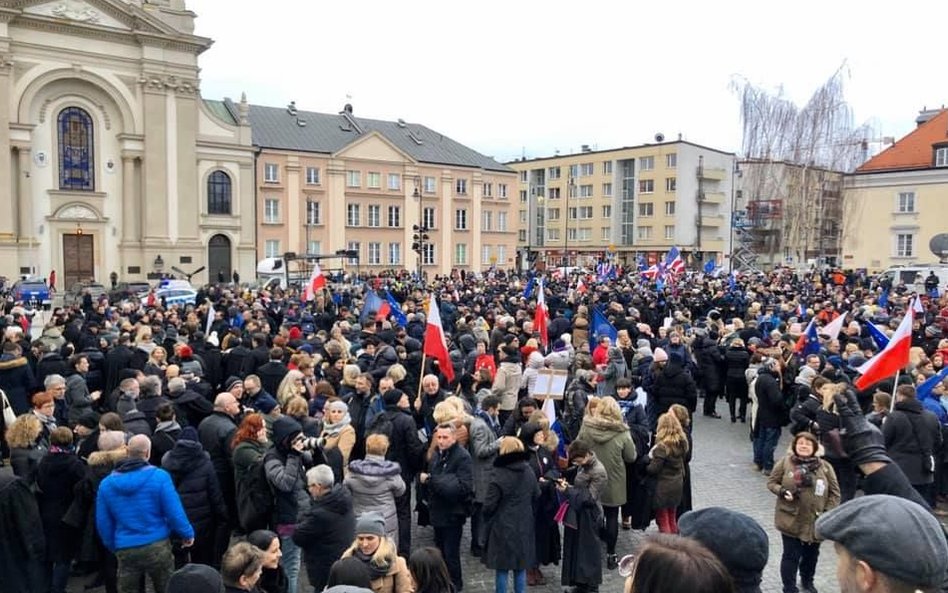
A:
(861, 440)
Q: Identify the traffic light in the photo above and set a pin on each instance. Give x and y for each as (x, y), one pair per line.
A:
(419, 238)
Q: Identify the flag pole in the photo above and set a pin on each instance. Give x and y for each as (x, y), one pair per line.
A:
(895, 386)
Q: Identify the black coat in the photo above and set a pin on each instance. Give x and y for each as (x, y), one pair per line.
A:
(194, 479)
(709, 358)
(737, 361)
(163, 441)
(52, 363)
(324, 533)
(190, 407)
(216, 432)
(912, 433)
(118, 358)
(547, 544)
(770, 408)
(271, 374)
(674, 386)
(235, 362)
(450, 486)
(24, 462)
(23, 549)
(56, 479)
(509, 514)
(149, 407)
(16, 380)
(405, 447)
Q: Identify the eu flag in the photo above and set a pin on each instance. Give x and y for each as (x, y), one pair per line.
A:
(601, 327)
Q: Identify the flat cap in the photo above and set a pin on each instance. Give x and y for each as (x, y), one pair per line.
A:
(739, 542)
(895, 536)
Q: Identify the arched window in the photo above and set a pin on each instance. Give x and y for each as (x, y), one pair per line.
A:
(218, 193)
(76, 150)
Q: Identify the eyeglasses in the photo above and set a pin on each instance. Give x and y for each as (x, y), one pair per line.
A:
(626, 565)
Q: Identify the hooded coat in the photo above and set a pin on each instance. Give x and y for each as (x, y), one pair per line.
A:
(375, 483)
(612, 443)
(509, 514)
(324, 533)
(16, 380)
(56, 478)
(286, 472)
(507, 382)
(616, 369)
(582, 548)
(194, 479)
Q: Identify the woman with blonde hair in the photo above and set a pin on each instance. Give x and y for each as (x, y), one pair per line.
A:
(298, 410)
(25, 450)
(684, 418)
(375, 483)
(290, 386)
(550, 439)
(387, 570)
(157, 362)
(667, 463)
(350, 373)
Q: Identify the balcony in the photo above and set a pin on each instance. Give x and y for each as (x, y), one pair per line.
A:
(712, 173)
(714, 197)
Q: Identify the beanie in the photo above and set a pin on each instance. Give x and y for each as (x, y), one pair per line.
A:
(371, 523)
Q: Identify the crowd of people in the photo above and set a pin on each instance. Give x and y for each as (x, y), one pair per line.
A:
(236, 444)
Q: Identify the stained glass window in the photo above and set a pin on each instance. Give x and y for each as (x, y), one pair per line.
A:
(218, 193)
(76, 150)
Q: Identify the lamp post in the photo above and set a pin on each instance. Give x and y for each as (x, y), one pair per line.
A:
(569, 190)
(420, 236)
(309, 222)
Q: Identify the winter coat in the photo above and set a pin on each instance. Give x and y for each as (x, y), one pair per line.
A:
(344, 440)
(508, 514)
(324, 533)
(56, 479)
(216, 432)
(81, 514)
(190, 407)
(669, 469)
(615, 369)
(16, 380)
(450, 486)
(196, 483)
(52, 363)
(577, 396)
(286, 474)
(271, 375)
(580, 330)
(397, 580)
(136, 423)
(78, 397)
(137, 505)
(770, 409)
(737, 361)
(24, 462)
(245, 454)
(507, 384)
(117, 359)
(404, 446)
(613, 446)
(674, 386)
(528, 380)
(582, 548)
(375, 483)
(22, 566)
(912, 434)
(561, 360)
(797, 518)
(163, 441)
(483, 446)
(709, 358)
(546, 532)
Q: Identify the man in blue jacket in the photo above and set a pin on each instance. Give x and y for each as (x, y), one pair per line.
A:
(137, 511)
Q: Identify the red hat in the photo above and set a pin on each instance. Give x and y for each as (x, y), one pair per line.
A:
(185, 351)
(295, 333)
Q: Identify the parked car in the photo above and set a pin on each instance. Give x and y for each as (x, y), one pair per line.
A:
(32, 290)
(74, 295)
(177, 296)
(127, 290)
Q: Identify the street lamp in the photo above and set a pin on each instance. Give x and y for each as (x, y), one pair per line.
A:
(569, 190)
(420, 237)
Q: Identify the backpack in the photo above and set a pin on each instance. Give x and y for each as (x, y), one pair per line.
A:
(255, 500)
(375, 409)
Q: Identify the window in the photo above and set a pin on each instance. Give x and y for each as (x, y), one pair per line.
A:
(669, 231)
(607, 168)
(353, 179)
(553, 172)
(669, 208)
(523, 195)
(586, 169)
(572, 213)
(606, 233)
(487, 220)
(646, 209)
(553, 193)
(501, 254)
(373, 180)
(271, 211)
(574, 171)
(671, 160)
(271, 173)
(460, 219)
(375, 253)
(607, 190)
(375, 215)
(646, 186)
(522, 236)
(218, 193)
(312, 175)
(646, 163)
(904, 245)
(572, 191)
(671, 183)
(941, 157)
(906, 202)
(76, 150)
(607, 211)
(645, 232)
(485, 254)
(460, 187)
(353, 216)
(271, 248)
(353, 246)
(429, 185)
(488, 190)
(585, 212)
(460, 254)
(502, 221)
(523, 216)
(502, 190)
(314, 248)
(314, 213)
(524, 176)
(579, 234)
(428, 218)
(553, 234)
(428, 254)
(553, 214)
(394, 216)
(586, 191)
(394, 254)
(394, 181)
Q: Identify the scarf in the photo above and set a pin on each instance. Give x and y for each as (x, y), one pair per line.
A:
(375, 571)
(331, 430)
(167, 426)
(803, 470)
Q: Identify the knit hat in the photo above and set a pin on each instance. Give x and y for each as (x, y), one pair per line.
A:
(196, 578)
(559, 346)
(295, 333)
(932, 331)
(189, 434)
(392, 396)
(89, 419)
(265, 403)
(660, 355)
(739, 542)
(370, 523)
(230, 382)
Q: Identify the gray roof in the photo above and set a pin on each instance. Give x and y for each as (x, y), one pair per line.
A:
(274, 127)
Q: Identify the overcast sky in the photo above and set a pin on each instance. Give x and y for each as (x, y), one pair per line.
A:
(530, 77)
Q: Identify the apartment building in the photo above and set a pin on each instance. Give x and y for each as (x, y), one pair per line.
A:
(625, 202)
(895, 202)
(331, 182)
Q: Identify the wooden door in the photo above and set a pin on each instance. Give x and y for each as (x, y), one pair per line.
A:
(78, 259)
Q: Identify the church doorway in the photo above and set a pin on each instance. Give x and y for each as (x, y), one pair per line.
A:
(218, 258)
(78, 259)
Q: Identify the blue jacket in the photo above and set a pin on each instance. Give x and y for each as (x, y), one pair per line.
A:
(137, 505)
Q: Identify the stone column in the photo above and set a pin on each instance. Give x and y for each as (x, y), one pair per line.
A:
(476, 192)
(7, 210)
(191, 190)
(131, 229)
(24, 186)
(155, 178)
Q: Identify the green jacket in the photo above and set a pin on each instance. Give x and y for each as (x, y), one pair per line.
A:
(612, 443)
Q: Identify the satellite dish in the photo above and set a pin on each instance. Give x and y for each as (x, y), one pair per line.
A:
(939, 246)
(659, 137)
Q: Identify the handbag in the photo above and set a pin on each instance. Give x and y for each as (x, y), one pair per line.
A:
(561, 512)
(9, 416)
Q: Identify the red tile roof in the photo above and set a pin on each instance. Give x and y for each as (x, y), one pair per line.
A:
(914, 151)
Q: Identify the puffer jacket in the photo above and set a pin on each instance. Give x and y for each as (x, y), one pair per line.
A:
(196, 483)
(561, 360)
(613, 446)
(286, 473)
(375, 483)
(507, 384)
(483, 446)
(797, 518)
(615, 369)
(528, 379)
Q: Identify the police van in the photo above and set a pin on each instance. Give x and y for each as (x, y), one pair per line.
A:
(913, 277)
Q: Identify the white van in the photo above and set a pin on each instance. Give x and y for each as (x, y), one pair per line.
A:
(913, 277)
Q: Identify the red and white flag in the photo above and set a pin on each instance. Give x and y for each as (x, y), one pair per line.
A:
(541, 318)
(835, 326)
(316, 282)
(892, 358)
(581, 286)
(435, 344)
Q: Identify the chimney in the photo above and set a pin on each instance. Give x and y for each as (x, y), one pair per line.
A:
(926, 114)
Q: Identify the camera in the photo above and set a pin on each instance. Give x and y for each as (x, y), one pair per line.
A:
(309, 443)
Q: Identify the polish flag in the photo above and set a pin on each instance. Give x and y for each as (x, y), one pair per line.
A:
(892, 358)
(435, 345)
(541, 318)
(581, 286)
(316, 282)
(835, 326)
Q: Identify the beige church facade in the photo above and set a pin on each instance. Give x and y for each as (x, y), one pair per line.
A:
(111, 160)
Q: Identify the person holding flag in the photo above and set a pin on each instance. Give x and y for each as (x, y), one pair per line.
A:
(541, 317)
(435, 344)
